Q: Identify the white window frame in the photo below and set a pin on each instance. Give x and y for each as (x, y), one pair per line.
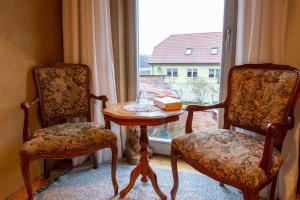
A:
(172, 72)
(192, 70)
(214, 73)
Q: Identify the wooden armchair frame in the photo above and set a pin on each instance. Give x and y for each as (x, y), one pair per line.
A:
(26, 106)
(274, 136)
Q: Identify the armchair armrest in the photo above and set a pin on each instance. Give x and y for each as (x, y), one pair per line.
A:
(275, 135)
(102, 98)
(192, 108)
(26, 106)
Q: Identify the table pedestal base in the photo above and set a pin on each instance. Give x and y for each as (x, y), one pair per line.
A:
(143, 168)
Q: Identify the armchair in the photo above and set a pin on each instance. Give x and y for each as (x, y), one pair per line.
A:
(63, 91)
(261, 98)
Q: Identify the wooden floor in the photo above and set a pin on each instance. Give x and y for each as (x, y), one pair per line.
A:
(156, 161)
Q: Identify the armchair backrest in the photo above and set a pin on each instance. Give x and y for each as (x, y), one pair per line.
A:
(260, 94)
(63, 91)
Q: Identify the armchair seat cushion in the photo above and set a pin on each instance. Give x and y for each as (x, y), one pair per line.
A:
(66, 138)
(228, 156)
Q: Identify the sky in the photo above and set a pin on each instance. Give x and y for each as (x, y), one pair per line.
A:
(158, 19)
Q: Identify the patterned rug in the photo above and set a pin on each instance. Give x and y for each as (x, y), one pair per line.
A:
(90, 184)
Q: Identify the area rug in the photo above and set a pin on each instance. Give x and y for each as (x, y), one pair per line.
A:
(85, 183)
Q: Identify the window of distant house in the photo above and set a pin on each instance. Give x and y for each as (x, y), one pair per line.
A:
(188, 51)
(214, 51)
(159, 70)
(172, 72)
(214, 73)
(192, 73)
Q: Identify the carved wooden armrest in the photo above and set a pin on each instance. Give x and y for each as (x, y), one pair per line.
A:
(26, 106)
(274, 130)
(193, 108)
(102, 98)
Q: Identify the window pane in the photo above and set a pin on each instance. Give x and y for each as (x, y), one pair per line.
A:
(182, 51)
(195, 73)
(188, 51)
(159, 70)
(217, 73)
(211, 73)
(214, 51)
(169, 72)
(175, 73)
(189, 73)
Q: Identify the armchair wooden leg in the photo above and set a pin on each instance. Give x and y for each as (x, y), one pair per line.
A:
(251, 195)
(114, 152)
(271, 194)
(175, 174)
(46, 169)
(26, 176)
(94, 160)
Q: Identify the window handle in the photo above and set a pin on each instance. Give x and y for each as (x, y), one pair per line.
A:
(228, 38)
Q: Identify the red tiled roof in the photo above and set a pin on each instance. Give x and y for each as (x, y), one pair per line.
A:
(172, 49)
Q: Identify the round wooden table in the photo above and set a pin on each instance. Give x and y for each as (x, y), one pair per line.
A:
(118, 115)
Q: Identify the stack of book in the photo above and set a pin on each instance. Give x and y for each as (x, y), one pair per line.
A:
(168, 103)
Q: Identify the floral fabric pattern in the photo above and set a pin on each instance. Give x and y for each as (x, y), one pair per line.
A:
(229, 155)
(260, 96)
(64, 90)
(67, 137)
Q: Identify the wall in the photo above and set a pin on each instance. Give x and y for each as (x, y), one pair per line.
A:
(30, 34)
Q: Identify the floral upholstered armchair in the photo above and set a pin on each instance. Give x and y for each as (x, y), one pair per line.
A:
(63, 91)
(261, 98)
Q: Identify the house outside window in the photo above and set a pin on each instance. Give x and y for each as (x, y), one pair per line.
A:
(172, 72)
(192, 73)
(214, 73)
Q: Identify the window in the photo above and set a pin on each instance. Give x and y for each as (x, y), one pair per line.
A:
(188, 51)
(175, 73)
(214, 51)
(217, 73)
(180, 42)
(159, 70)
(211, 73)
(192, 73)
(172, 72)
(169, 72)
(214, 73)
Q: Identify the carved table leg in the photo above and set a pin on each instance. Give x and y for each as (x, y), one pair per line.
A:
(143, 168)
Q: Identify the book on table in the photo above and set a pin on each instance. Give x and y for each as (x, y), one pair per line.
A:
(168, 103)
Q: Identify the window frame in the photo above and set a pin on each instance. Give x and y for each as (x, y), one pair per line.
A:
(192, 72)
(172, 72)
(216, 73)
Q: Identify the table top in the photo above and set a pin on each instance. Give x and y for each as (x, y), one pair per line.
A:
(117, 114)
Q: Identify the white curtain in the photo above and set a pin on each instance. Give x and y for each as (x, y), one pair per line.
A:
(87, 39)
(268, 32)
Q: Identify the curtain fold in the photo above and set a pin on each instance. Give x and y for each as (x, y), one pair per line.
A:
(87, 39)
(123, 25)
(268, 32)
(118, 10)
